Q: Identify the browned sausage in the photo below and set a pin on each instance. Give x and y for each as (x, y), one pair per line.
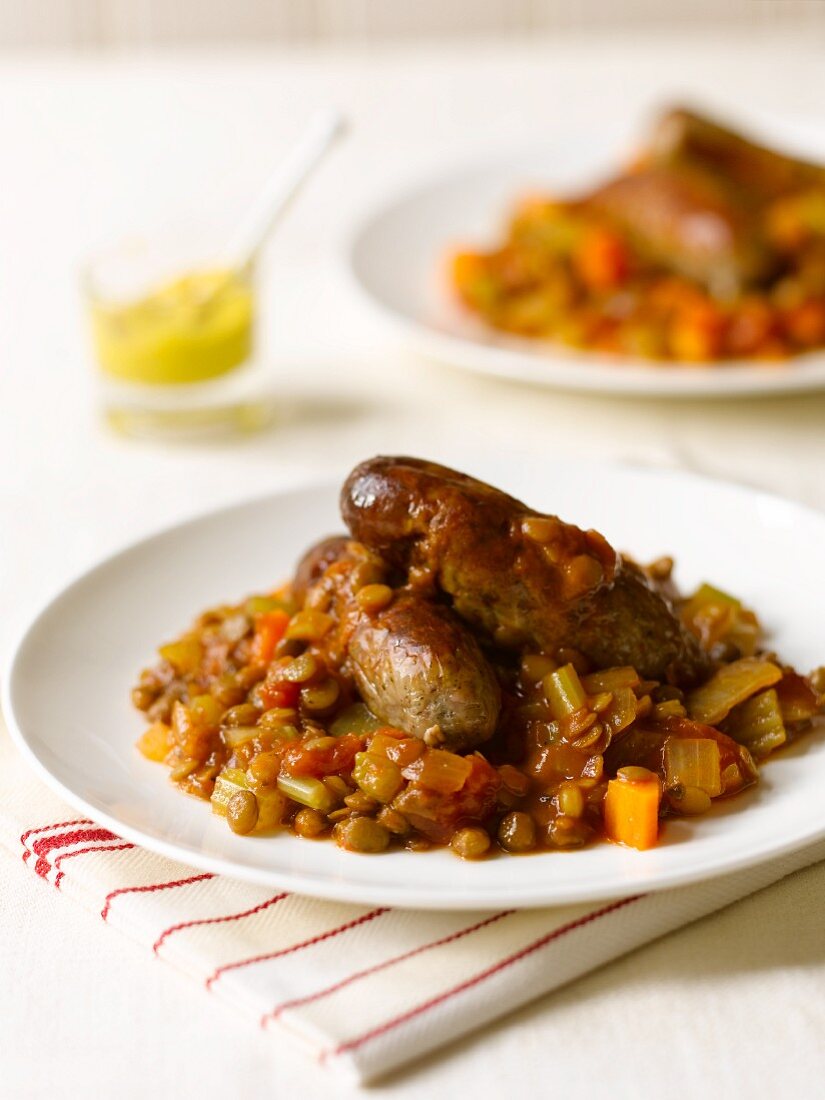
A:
(315, 563)
(415, 664)
(763, 174)
(689, 219)
(418, 668)
(523, 579)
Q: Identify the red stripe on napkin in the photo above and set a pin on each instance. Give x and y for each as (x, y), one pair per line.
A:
(151, 889)
(363, 919)
(330, 989)
(477, 979)
(45, 828)
(215, 920)
(46, 844)
(85, 851)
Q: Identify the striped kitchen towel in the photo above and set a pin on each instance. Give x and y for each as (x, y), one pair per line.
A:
(364, 989)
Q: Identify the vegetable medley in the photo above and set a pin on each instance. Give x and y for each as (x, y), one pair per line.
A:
(251, 711)
(708, 247)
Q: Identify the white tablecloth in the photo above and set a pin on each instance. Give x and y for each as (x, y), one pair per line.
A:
(89, 148)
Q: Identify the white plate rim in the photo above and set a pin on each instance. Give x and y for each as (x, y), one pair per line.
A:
(342, 890)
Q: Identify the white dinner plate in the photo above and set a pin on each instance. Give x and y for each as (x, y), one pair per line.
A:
(67, 689)
(399, 260)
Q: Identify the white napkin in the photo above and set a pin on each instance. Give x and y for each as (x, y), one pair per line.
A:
(365, 990)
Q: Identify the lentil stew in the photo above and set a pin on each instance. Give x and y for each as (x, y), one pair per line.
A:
(366, 699)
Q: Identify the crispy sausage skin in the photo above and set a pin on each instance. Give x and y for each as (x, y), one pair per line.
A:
(521, 578)
(415, 664)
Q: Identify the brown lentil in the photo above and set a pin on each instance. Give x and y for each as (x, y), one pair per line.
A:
(542, 529)
(242, 812)
(570, 800)
(470, 842)
(361, 834)
(633, 774)
(242, 715)
(277, 716)
(309, 823)
(689, 800)
(302, 669)
(394, 821)
(374, 598)
(361, 802)
(517, 832)
(264, 769)
(309, 626)
(321, 697)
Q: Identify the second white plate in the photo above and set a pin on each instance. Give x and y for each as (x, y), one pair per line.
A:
(399, 259)
(67, 689)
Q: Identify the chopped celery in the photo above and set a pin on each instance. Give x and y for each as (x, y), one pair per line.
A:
(693, 762)
(730, 685)
(706, 594)
(309, 792)
(757, 723)
(564, 691)
(239, 735)
(228, 783)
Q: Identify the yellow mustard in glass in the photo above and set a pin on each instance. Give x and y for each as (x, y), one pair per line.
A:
(193, 328)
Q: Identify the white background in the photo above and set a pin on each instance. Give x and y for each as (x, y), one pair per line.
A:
(91, 147)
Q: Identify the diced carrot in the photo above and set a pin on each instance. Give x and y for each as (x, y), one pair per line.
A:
(270, 627)
(696, 335)
(601, 259)
(631, 810)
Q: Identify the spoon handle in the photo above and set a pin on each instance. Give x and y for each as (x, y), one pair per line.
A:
(283, 185)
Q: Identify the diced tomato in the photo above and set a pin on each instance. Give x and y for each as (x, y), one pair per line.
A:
(805, 324)
(279, 693)
(436, 815)
(797, 699)
(396, 746)
(318, 761)
(270, 627)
